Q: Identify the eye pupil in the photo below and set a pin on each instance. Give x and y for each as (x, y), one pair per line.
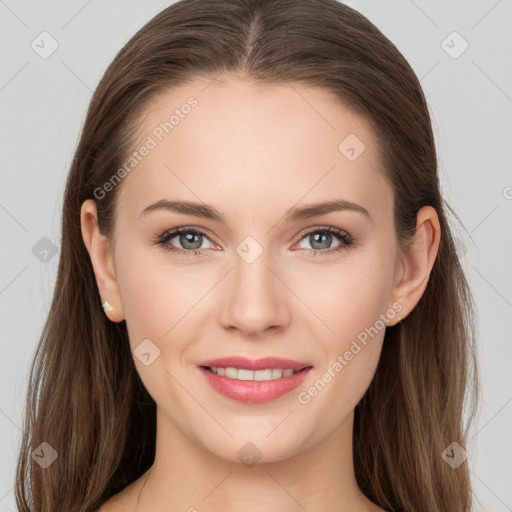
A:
(185, 240)
(318, 235)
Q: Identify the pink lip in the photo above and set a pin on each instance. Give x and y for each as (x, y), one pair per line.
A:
(255, 364)
(249, 391)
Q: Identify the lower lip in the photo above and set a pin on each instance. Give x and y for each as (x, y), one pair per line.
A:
(254, 391)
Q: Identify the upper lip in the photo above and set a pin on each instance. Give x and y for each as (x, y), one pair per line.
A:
(255, 364)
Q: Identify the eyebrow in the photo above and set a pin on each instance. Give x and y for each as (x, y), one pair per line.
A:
(293, 214)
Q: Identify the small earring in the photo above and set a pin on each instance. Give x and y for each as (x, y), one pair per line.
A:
(106, 306)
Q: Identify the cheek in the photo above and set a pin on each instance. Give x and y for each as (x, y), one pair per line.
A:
(161, 303)
(159, 297)
(354, 307)
(348, 297)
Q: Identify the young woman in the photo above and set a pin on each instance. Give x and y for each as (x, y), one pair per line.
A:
(258, 304)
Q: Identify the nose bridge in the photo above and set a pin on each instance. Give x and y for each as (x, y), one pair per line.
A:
(256, 296)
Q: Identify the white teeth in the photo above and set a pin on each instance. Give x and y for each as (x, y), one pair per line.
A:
(277, 373)
(263, 375)
(232, 373)
(243, 374)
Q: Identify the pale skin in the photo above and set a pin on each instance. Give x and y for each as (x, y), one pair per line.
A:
(254, 152)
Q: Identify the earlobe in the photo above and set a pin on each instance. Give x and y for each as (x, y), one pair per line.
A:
(101, 256)
(417, 261)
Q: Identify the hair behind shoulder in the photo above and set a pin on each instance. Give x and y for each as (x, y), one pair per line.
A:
(85, 398)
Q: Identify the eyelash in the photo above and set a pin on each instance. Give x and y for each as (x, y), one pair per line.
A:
(346, 239)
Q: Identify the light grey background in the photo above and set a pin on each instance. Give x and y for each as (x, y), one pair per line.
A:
(43, 104)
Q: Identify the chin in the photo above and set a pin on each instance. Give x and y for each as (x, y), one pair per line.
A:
(250, 450)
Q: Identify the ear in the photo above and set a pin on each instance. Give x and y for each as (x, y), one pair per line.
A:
(100, 252)
(416, 262)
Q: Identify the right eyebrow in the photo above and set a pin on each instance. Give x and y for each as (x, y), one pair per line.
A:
(185, 207)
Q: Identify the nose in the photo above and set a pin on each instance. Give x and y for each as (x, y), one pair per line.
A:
(257, 297)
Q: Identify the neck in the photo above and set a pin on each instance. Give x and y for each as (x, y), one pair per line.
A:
(187, 477)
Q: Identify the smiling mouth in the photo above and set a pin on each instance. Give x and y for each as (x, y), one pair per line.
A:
(254, 375)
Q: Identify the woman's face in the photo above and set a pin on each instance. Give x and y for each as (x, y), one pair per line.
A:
(265, 283)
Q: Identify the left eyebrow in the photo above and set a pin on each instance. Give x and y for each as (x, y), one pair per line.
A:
(313, 210)
(293, 214)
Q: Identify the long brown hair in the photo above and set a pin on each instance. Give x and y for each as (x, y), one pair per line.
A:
(85, 398)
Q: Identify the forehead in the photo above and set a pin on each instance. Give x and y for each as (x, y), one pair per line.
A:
(263, 147)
